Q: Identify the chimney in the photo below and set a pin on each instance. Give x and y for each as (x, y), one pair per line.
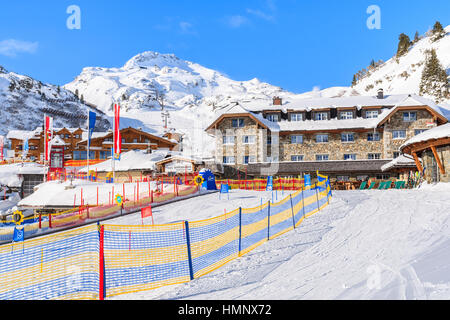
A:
(380, 94)
(277, 101)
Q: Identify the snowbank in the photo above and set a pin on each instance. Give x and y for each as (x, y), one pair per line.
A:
(10, 173)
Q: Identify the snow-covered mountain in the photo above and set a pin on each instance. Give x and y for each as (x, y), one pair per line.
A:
(151, 79)
(24, 101)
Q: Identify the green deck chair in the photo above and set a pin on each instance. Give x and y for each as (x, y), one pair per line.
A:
(381, 185)
(363, 185)
(399, 184)
(387, 184)
(372, 185)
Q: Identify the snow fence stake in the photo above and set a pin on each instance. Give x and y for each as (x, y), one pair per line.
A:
(188, 244)
(268, 221)
(240, 231)
(101, 289)
(292, 210)
(303, 203)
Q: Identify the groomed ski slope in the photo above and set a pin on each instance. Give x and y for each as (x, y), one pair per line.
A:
(373, 244)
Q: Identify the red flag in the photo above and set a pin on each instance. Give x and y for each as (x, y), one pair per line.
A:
(48, 136)
(1, 148)
(146, 212)
(117, 137)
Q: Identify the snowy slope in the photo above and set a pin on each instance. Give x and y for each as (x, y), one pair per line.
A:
(366, 245)
(24, 101)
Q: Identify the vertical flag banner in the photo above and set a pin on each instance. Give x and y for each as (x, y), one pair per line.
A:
(92, 118)
(117, 137)
(48, 136)
(269, 185)
(2, 142)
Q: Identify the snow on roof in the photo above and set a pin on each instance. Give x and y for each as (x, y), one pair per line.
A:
(10, 173)
(57, 141)
(438, 132)
(131, 160)
(401, 161)
(390, 102)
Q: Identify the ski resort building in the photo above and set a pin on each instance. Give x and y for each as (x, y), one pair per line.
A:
(348, 138)
(75, 142)
(431, 153)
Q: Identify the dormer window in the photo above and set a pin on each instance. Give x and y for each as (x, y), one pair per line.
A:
(346, 115)
(321, 116)
(371, 114)
(273, 117)
(296, 116)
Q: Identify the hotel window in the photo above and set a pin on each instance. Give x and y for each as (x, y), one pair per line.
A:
(249, 159)
(228, 159)
(237, 123)
(228, 139)
(321, 157)
(248, 139)
(382, 176)
(62, 136)
(399, 134)
(347, 137)
(297, 158)
(373, 136)
(272, 159)
(273, 117)
(77, 136)
(342, 178)
(350, 156)
(419, 131)
(321, 138)
(123, 140)
(409, 116)
(271, 139)
(135, 140)
(102, 154)
(296, 116)
(296, 139)
(396, 154)
(67, 136)
(374, 156)
(321, 116)
(346, 115)
(371, 114)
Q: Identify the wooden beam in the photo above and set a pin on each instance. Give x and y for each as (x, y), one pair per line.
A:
(436, 156)
(416, 159)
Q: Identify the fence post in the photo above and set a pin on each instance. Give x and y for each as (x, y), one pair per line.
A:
(268, 221)
(240, 231)
(40, 220)
(292, 210)
(317, 197)
(188, 244)
(101, 291)
(303, 202)
(50, 220)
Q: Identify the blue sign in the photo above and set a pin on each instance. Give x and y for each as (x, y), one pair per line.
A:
(224, 188)
(307, 178)
(269, 186)
(210, 180)
(18, 234)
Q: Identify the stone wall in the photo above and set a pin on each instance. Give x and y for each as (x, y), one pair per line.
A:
(335, 148)
(396, 123)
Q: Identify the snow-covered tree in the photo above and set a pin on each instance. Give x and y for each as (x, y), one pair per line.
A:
(403, 45)
(438, 32)
(434, 80)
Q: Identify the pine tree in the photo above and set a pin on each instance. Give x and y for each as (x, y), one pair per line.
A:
(434, 80)
(438, 32)
(82, 99)
(58, 89)
(403, 45)
(354, 80)
(416, 37)
(76, 92)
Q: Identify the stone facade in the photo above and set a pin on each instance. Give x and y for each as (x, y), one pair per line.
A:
(396, 122)
(334, 148)
(432, 172)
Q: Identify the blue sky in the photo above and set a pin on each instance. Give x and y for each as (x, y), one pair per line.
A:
(296, 45)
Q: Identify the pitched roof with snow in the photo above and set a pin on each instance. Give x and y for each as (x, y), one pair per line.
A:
(432, 134)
